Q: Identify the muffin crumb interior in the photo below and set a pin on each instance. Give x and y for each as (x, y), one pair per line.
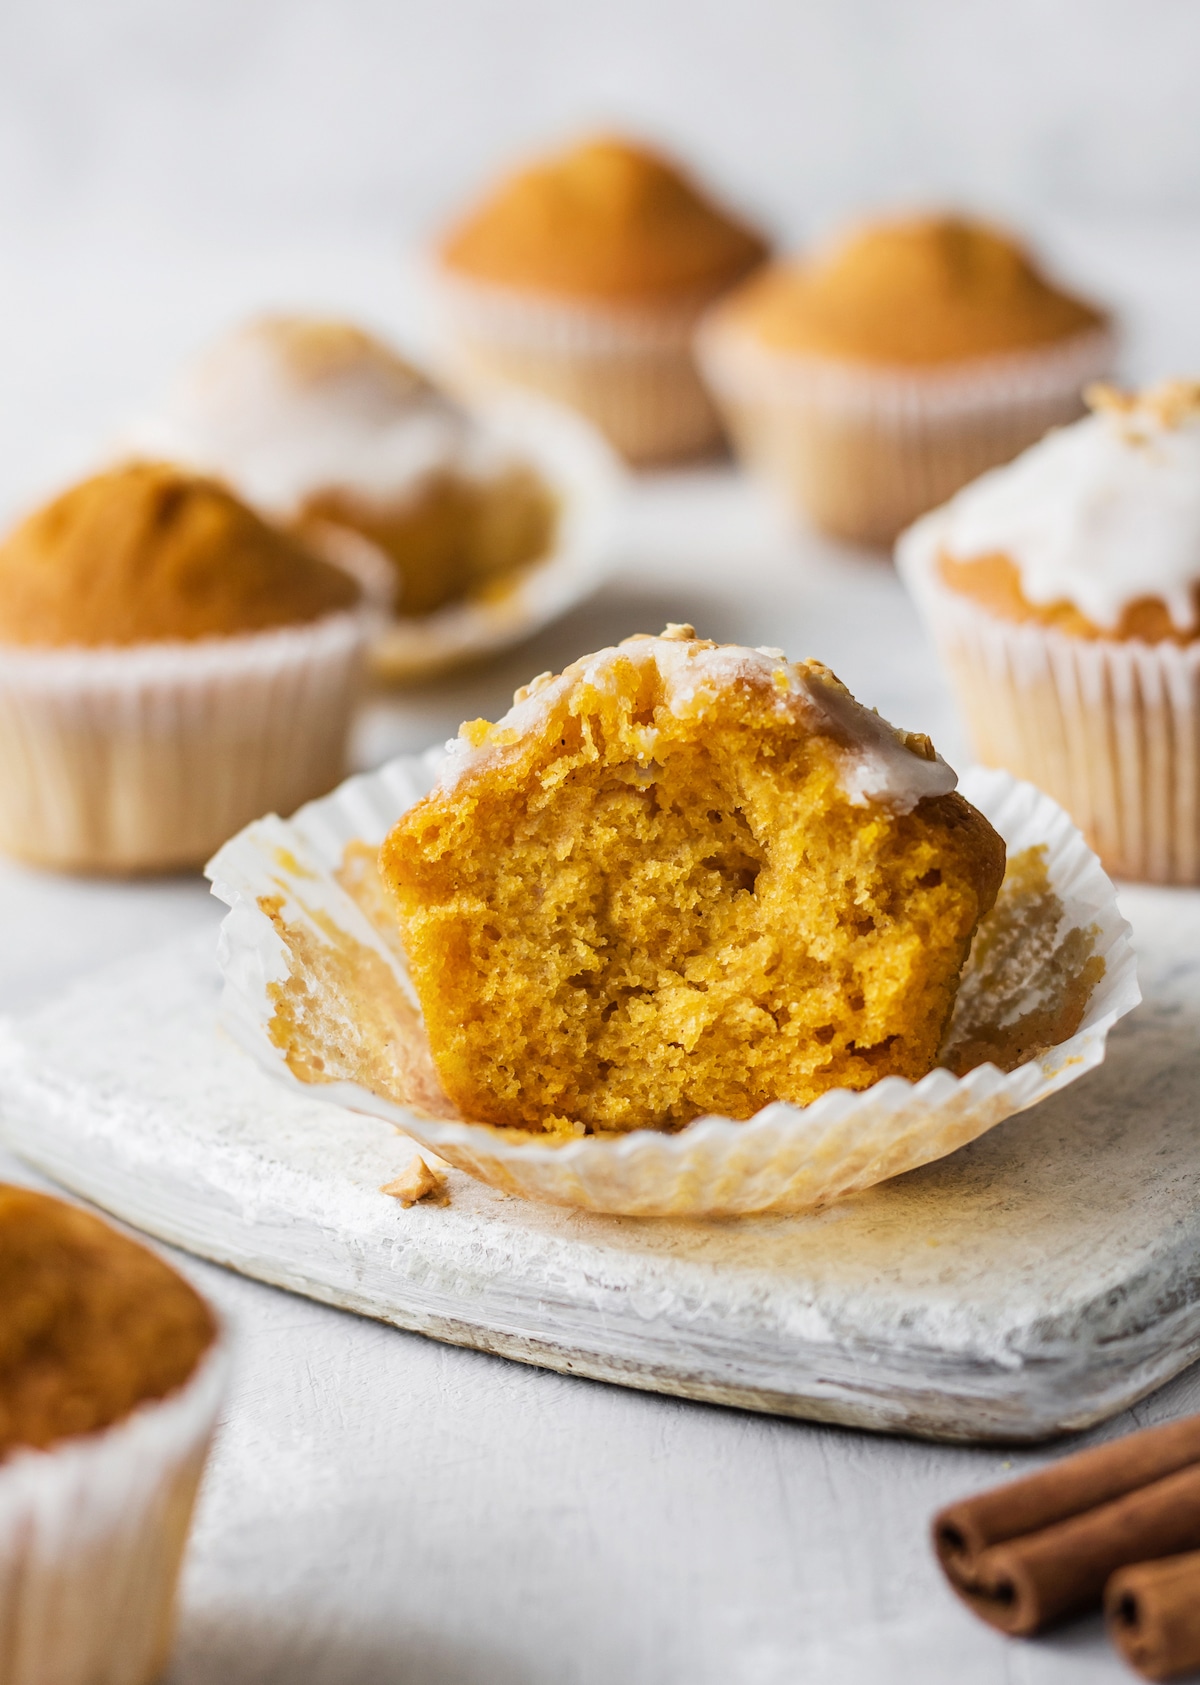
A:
(655, 902)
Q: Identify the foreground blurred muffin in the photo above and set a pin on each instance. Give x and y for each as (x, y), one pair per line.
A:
(583, 275)
(326, 429)
(684, 878)
(871, 382)
(170, 667)
(1064, 593)
(110, 1379)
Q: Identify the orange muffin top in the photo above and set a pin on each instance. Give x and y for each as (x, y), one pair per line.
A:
(915, 291)
(93, 1324)
(994, 582)
(607, 220)
(148, 552)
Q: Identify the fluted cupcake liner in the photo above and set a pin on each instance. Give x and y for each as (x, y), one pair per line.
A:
(147, 757)
(305, 967)
(860, 451)
(92, 1534)
(1109, 727)
(629, 369)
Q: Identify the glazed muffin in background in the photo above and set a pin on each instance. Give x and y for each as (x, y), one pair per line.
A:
(682, 878)
(870, 382)
(327, 430)
(171, 666)
(583, 276)
(1064, 594)
(110, 1379)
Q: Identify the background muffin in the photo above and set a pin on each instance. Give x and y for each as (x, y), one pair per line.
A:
(583, 275)
(170, 666)
(109, 1383)
(1064, 593)
(871, 382)
(322, 426)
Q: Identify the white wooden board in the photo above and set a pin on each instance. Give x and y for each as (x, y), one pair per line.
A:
(1035, 1282)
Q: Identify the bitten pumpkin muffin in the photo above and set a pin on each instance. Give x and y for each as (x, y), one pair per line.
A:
(170, 666)
(583, 275)
(109, 1384)
(1064, 593)
(684, 878)
(871, 381)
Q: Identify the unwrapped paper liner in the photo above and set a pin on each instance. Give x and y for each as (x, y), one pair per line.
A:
(92, 1534)
(1110, 726)
(585, 480)
(629, 368)
(863, 450)
(786, 1157)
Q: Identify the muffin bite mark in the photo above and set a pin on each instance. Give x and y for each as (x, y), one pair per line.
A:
(677, 892)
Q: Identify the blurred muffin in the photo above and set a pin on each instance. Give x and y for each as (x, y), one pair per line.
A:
(871, 382)
(1064, 593)
(170, 667)
(583, 276)
(325, 428)
(110, 1378)
(683, 878)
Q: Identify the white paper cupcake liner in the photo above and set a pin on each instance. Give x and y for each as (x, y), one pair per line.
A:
(146, 758)
(587, 483)
(630, 370)
(1109, 727)
(863, 451)
(786, 1158)
(92, 1534)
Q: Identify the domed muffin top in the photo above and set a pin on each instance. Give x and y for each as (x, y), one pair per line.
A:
(317, 351)
(922, 290)
(93, 1323)
(606, 219)
(1094, 530)
(147, 552)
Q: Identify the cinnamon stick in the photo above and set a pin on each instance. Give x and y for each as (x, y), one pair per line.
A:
(1028, 1553)
(1153, 1614)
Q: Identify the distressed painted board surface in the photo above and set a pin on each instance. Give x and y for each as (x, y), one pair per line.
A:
(1035, 1282)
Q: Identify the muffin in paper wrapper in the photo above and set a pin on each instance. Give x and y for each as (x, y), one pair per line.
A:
(631, 370)
(1110, 727)
(92, 1534)
(585, 481)
(317, 990)
(145, 758)
(862, 451)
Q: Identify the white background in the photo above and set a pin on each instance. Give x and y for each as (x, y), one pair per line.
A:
(383, 1509)
(166, 165)
(328, 116)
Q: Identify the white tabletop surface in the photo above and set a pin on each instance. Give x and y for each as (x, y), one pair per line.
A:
(381, 1508)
